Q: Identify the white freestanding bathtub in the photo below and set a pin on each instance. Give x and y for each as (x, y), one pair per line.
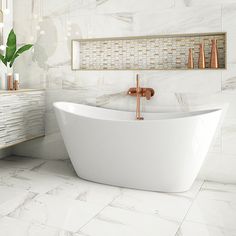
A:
(164, 152)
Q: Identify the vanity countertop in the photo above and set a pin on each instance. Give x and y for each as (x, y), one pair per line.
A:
(19, 91)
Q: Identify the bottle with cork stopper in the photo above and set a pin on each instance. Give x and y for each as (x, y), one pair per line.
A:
(16, 84)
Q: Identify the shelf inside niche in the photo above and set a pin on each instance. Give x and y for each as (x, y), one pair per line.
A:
(157, 52)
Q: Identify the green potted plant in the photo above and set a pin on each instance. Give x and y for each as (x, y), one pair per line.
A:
(11, 54)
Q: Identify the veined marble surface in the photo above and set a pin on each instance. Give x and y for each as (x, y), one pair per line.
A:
(46, 198)
(51, 25)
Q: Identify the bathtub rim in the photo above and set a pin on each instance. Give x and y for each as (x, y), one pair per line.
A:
(166, 115)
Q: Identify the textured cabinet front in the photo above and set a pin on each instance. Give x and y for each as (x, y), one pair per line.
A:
(21, 116)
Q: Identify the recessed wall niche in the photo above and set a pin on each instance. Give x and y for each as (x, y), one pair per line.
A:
(159, 52)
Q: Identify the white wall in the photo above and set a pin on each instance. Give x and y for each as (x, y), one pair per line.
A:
(52, 24)
(8, 24)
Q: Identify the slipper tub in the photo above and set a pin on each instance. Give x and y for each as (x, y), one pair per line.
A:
(163, 153)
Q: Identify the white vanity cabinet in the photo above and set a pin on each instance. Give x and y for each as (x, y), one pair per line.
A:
(21, 116)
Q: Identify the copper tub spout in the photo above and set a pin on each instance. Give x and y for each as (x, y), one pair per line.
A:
(138, 93)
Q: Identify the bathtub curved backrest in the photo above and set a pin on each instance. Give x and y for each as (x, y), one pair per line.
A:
(107, 114)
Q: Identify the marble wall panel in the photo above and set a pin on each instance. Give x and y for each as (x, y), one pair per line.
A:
(229, 137)
(113, 6)
(229, 79)
(229, 26)
(52, 24)
(178, 20)
(183, 81)
(228, 17)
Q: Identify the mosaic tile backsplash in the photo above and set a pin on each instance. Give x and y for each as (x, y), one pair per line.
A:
(144, 53)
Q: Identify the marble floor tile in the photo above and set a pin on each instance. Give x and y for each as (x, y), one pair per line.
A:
(165, 206)
(46, 198)
(22, 228)
(219, 187)
(63, 167)
(58, 212)
(194, 229)
(11, 199)
(219, 167)
(192, 193)
(20, 162)
(169, 206)
(86, 191)
(7, 172)
(214, 206)
(116, 222)
(32, 181)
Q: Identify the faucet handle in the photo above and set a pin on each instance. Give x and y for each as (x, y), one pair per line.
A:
(148, 94)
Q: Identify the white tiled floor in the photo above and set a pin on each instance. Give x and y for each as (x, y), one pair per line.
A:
(46, 198)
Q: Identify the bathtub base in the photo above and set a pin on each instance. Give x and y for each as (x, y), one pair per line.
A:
(162, 153)
(165, 189)
(158, 180)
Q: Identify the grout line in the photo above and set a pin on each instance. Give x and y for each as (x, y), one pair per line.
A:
(101, 210)
(38, 166)
(28, 198)
(177, 233)
(211, 225)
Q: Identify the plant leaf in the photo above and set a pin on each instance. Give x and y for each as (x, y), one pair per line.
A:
(24, 48)
(2, 58)
(20, 51)
(11, 46)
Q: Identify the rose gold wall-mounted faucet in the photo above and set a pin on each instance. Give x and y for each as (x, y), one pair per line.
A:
(140, 92)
